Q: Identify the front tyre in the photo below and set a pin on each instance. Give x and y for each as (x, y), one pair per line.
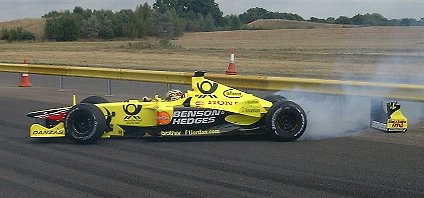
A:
(285, 121)
(85, 123)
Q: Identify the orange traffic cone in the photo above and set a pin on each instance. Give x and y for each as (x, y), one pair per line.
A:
(25, 81)
(231, 70)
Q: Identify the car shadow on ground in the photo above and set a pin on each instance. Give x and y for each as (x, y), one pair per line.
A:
(150, 139)
(221, 138)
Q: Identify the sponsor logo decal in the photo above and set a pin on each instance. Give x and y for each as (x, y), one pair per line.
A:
(253, 102)
(48, 132)
(397, 123)
(207, 88)
(204, 96)
(222, 103)
(132, 110)
(199, 103)
(244, 110)
(212, 87)
(170, 133)
(201, 132)
(232, 93)
(195, 117)
(189, 132)
(163, 118)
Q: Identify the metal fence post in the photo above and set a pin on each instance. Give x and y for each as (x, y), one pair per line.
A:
(109, 87)
(60, 83)
(168, 87)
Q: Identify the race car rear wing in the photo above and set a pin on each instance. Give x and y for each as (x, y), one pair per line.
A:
(388, 119)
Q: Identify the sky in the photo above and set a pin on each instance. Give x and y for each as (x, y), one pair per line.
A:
(392, 9)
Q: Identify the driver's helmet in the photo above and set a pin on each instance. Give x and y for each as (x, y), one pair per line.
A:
(174, 95)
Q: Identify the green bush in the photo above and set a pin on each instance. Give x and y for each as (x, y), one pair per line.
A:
(16, 34)
(63, 28)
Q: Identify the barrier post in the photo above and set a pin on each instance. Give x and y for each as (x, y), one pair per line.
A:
(109, 87)
(60, 83)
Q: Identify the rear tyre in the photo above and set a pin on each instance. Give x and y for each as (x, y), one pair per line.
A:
(85, 123)
(275, 98)
(271, 98)
(94, 100)
(285, 121)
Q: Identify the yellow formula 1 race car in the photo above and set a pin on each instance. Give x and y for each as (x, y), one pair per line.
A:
(210, 108)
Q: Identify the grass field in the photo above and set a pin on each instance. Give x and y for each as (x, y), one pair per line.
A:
(366, 53)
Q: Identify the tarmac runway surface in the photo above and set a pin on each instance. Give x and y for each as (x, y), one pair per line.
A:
(366, 164)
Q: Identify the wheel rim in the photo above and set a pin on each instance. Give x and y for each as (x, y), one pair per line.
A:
(83, 124)
(288, 119)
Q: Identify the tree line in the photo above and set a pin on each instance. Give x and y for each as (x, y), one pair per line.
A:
(168, 19)
(16, 34)
(374, 19)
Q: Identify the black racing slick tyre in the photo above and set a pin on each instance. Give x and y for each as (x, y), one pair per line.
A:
(275, 98)
(85, 123)
(285, 121)
(94, 100)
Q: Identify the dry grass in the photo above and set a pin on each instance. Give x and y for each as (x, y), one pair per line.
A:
(272, 24)
(369, 53)
(374, 53)
(35, 26)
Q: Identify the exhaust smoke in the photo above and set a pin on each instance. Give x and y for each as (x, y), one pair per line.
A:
(331, 116)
